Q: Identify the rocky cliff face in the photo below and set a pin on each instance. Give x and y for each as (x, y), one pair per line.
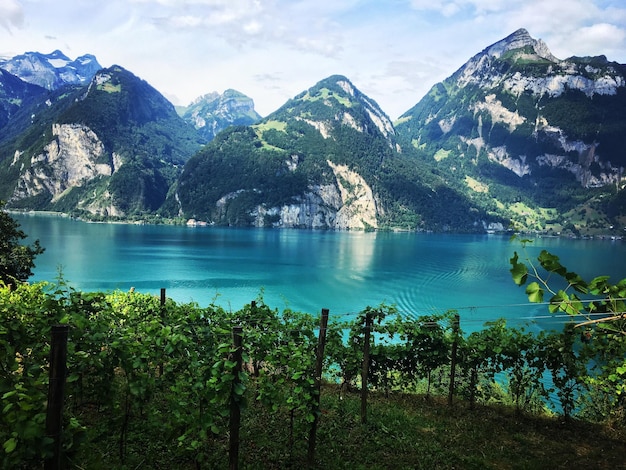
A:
(518, 85)
(348, 204)
(111, 147)
(74, 157)
(526, 126)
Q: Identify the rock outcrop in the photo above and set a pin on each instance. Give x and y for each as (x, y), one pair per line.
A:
(72, 158)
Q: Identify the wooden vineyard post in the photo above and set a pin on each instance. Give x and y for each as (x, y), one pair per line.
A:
(365, 368)
(255, 363)
(162, 303)
(321, 345)
(56, 393)
(455, 346)
(235, 409)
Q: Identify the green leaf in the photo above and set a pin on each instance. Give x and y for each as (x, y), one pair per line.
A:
(564, 303)
(519, 271)
(9, 394)
(577, 282)
(239, 389)
(534, 292)
(10, 445)
(551, 263)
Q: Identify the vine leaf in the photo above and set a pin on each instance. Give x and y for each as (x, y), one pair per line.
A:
(519, 271)
(577, 282)
(10, 445)
(534, 292)
(551, 263)
(561, 302)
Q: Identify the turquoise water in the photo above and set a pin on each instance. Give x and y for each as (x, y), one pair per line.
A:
(309, 270)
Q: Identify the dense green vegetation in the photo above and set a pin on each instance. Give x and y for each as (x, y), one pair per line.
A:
(14, 94)
(16, 259)
(275, 162)
(153, 383)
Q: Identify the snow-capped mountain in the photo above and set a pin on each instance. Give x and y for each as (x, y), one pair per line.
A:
(52, 70)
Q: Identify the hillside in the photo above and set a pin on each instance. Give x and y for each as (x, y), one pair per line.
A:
(14, 95)
(328, 158)
(109, 148)
(536, 139)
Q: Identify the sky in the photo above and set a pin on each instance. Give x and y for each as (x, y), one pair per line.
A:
(394, 51)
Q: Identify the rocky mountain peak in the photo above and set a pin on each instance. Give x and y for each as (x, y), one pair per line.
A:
(521, 40)
(52, 70)
(494, 63)
(213, 112)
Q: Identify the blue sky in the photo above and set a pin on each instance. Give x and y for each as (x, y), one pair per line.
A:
(271, 50)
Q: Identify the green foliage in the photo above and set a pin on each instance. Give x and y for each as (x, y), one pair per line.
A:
(16, 260)
(144, 140)
(597, 308)
(139, 368)
(275, 163)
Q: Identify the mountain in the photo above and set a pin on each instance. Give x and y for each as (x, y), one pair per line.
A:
(52, 71)
(525, 135)
(112, 147)
(515, 137)
(14, 94)
(212, 113)
(326, 159)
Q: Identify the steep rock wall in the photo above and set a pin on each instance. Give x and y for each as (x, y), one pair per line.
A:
(73, 157)
(349, 204)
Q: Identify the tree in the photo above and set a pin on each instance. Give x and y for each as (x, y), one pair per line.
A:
(16, 259)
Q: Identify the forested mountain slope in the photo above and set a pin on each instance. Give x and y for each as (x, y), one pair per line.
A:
(328, 158)
(536, 139)
(109, 148)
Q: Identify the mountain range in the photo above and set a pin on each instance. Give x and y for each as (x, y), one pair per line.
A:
(51, 71)
(515, 138)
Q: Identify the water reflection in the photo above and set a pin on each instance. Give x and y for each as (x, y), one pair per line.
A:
(304, 270)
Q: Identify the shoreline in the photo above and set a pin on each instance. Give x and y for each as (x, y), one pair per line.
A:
(192, 223)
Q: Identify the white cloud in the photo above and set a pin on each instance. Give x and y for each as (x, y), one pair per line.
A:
(394, 51)
(600, 38)
(11, 14)
(449, 8)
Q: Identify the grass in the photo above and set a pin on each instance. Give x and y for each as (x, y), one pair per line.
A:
(403, 431)
(324, 94)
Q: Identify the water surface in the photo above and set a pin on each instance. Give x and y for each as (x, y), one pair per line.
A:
(309, 270)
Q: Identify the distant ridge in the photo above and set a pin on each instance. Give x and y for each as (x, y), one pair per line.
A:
(52, 71)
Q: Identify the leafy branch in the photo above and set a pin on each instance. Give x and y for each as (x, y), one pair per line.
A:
(563, 300)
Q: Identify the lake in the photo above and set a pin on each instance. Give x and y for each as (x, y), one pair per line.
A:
(307, 270)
